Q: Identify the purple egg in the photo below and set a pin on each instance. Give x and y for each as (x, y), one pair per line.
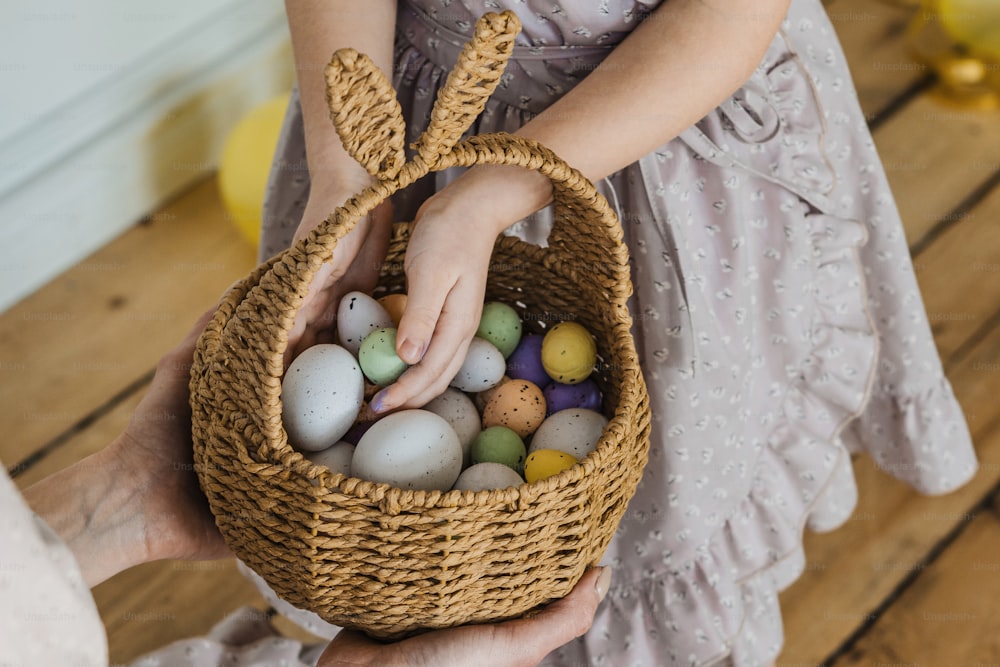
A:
(356, 431)
(560, 396)
(525, 362)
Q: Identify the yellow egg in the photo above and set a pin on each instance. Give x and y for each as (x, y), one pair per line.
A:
(546, 463)
(568, 353)
(394, 305)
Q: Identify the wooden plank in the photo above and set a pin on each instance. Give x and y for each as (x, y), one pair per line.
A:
(70, 346)
(853, 569)
(934, 157)
(959, 275)
(872, 35)
(949, 615)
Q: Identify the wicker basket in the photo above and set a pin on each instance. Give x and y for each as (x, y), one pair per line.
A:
(384, 560)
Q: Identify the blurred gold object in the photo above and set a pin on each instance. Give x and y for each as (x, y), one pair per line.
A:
(960, 41)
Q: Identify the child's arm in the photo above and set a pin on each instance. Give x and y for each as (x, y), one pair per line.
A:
(318, 28)
(677, 66)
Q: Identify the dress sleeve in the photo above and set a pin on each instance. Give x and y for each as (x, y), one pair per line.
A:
(47, 614)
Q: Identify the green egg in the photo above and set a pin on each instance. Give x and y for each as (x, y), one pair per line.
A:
(378, 359)
(499, 444)
(501, 326)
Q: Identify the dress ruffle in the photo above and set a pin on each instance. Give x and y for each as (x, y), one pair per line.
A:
(727, 587)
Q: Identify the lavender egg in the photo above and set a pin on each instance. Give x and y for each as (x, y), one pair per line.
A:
(525, 362)
(584, 395)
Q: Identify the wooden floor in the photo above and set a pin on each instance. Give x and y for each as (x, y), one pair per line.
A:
(907, 581)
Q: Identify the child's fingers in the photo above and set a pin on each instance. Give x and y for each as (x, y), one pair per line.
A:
(426, 294)
(422, 383)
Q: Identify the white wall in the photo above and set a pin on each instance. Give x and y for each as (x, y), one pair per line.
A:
(109, 107)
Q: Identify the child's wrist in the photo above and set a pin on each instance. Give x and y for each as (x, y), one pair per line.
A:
(500, 195)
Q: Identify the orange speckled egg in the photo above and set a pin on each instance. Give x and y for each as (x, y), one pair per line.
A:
(518, 404)
(481, 398)
(394, 304)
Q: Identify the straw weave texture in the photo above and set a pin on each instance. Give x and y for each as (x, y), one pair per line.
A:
(390, 561)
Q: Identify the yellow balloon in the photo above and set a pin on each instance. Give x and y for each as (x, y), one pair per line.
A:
(974, 23)
(246, 163)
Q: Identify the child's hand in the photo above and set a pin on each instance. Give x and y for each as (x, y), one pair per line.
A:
(356, 262)
(446, 265)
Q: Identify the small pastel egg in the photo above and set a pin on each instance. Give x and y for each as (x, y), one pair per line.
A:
(568, 353)
(487, 476)
(378, 357)
(499, 444)
(458, 410)
(357, 316)
(483, 397)
(559, 396)
(483, 367)
(410, 449)
(394, 304)
(575, 431)
(525, 362)
(321, 395)
(546, 463)
(519, 405)
(500, 325)
(337, 458)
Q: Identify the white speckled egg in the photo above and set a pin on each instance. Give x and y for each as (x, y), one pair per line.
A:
(357, 316)
(458, 410)
(321, 395)
(574, 431)
(410, 449)
(484, 367)
(337, 458)
(484, 476)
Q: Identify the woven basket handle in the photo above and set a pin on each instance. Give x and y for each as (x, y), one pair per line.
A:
(366, 113)
(470, 84)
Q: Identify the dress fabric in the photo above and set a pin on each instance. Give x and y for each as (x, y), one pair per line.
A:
(777, 318)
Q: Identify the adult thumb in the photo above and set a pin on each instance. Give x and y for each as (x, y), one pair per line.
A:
(560, 622)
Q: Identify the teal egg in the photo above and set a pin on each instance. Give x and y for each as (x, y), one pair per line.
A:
(500, 325)
(499, 444)
(378, 359)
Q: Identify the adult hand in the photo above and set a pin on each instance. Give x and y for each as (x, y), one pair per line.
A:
(356, 264)
(155, 453)
(523, 642)
(138, 499)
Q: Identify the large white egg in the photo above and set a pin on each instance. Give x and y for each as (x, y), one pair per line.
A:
(574, 431)
(357, 316)
(487, 475)
(337, 458)
(410, 449)
(484, 367)
(321, 395)
(458, 410)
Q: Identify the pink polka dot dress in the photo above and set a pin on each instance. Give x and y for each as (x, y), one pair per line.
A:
(779, 325)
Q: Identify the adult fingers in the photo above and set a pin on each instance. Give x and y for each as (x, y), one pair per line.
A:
(349, 649)
(561, 621)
